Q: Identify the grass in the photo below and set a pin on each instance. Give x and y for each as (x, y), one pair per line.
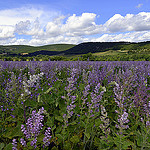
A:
(111, 52)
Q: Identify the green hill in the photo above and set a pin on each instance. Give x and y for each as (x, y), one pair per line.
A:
(94, 47)
(16, 49)
(110, 48)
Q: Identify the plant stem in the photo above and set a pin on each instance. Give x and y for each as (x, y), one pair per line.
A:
(24, 113)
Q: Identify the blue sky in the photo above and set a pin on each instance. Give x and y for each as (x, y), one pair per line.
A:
(41, 22)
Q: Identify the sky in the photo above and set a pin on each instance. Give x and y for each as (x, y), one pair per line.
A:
(43, 22)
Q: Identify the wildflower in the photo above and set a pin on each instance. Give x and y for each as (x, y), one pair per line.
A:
(23, 142)
(32, 82)
(123, 120)
(104, 118)
(34, 125)
(14, 143)
(46, 139)
(147, 123)
(33, 143)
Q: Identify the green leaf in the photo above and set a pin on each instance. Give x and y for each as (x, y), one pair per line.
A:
(17, 131)
(8, 146)
(75, 139)
(58, 129)
(10, 118)
(81, 87)
(126, 144)
(59, 118)
(48, 90)
(40, 138)
(82, 124)
(72, 123)
(54, 148)
(59, 136)
(57, 103)
(139, 139)
(148, 138)
(1, 146)
(112, 83)
(67, 145)
(96, 141)
(87, 135)
(38, 99)
(97, 122)
(53, 128)
(13, 131)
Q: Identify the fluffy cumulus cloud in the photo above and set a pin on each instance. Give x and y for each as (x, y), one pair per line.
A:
(49, 27)
(6, 32)
(139, 22)
(82, 25)
(130, 36)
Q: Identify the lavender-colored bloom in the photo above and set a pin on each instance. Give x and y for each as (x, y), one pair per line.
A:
(104, 118)
(64, 116)
(12, 116)
(124, 118)
(96, 97)
(147, 123)
(34, 124)
(14, 143)
(33, 127)
(33, 143)
(97, 88)
(23, 142)
(122, 121)
(46, 139)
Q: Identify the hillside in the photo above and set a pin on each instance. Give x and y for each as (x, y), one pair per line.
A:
(95, 47)
(99, 48)
(17, 49)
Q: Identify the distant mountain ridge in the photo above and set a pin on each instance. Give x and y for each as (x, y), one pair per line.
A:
(70, 49)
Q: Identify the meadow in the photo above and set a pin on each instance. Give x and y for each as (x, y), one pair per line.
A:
(84, 105)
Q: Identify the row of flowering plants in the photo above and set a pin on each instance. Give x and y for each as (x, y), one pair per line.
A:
(74, 105)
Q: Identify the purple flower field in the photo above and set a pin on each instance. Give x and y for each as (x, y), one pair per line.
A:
(75, 105)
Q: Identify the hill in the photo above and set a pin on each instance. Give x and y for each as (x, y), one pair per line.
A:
(95, 47)
(18, 49)
(112, 48)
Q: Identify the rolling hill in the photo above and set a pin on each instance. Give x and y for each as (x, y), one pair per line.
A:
(18, 49)
(83, 48)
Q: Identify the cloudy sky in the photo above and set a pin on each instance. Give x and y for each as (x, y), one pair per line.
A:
(42, 22)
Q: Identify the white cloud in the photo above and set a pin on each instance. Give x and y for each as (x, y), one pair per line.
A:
(139, 5)
(45, 27)
(22, 27)
(128, 37)
(15, 15)
(53, 29)
(139, 22)
(82, 25)
(6, 32)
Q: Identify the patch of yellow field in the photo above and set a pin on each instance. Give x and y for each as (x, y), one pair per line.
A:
(110, 52)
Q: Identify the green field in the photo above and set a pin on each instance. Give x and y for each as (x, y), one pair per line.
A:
(111, 52)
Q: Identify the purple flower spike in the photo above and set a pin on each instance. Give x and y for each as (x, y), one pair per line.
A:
(34, 142)
(123, 120)
(14, 143)
(33, 127)
(46, 139)
(23, 142)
